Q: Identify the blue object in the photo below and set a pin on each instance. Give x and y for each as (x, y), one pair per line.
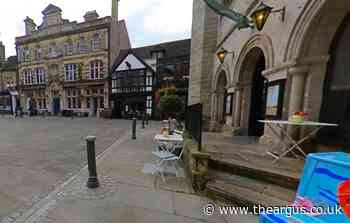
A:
(322, 175)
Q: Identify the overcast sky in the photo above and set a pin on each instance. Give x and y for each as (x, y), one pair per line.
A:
(148, 21)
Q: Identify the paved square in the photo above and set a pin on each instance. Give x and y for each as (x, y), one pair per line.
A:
(38, 154)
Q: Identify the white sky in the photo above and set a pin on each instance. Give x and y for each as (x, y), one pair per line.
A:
(148, 21)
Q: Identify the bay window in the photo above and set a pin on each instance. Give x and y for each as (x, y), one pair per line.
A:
(40, 75)
(27, 77)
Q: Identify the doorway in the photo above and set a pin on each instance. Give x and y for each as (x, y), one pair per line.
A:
(336, 93)
(56, 105)
(258, 98)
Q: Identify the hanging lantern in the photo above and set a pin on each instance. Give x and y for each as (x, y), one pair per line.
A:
(260, 15)
(221, 55)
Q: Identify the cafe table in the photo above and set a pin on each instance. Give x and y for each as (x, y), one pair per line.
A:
(286, 140)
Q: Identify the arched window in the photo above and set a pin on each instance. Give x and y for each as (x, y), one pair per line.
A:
(96, 70)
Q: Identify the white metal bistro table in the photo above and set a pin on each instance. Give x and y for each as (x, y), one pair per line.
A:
(294, 145)
(170, 141)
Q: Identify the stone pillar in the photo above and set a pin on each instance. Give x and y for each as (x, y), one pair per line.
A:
(237, 108)
(297, 88)
(297, 92)
(214, 105)
(220, 106)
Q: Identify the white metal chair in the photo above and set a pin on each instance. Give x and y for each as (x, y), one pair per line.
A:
(178, 132)
(165, 159)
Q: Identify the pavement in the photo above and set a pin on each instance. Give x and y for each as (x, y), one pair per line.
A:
(126, 193)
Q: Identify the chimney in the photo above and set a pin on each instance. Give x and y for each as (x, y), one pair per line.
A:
(91, 16)
(115, 9)
(30, 26)
(2, 53)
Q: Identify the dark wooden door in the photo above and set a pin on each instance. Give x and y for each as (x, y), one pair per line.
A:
(258, 101)
(56, 105)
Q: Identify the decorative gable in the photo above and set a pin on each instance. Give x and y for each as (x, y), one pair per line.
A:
(50, 9)
(130, 63)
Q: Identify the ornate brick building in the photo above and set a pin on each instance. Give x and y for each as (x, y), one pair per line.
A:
(63, 65)
(298, 62)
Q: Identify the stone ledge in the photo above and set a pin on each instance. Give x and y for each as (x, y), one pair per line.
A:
(196, 165)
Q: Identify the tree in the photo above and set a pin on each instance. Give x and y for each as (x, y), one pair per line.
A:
(171, 105)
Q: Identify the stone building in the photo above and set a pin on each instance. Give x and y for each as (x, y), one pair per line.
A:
(298, 62)
(63, 64)
(8, 81)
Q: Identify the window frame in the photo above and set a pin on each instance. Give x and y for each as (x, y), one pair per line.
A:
(71, 72)
(96, 70)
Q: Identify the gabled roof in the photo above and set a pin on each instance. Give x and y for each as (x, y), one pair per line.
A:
(171, 49)
(51, 9)
(127, 57)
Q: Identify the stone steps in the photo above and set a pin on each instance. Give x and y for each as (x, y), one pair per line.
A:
(247, 192)
(254, 169)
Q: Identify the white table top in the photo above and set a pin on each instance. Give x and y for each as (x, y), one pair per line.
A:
(169, 138)
(305, 123)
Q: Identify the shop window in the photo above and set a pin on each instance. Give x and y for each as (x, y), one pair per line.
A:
(73, 99)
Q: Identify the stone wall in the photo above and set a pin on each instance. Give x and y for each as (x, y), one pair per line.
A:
(204, 38)
(295, 49)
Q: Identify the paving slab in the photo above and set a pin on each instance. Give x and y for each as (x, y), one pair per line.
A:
(126, 194)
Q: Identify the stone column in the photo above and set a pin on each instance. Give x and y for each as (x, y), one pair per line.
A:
(220, 106)
(237, 108)
(297, 88)
(214, 106)
(297, 92)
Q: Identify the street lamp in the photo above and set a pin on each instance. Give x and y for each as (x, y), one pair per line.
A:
(262, 13)
(221, 55)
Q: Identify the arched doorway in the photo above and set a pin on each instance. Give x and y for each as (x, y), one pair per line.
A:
(336, 92)
(255, 89)
(221, 93)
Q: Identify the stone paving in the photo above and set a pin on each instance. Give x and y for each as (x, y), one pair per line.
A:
(126, 193)
(38, 154)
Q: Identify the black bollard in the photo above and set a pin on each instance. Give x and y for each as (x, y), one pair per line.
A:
(143, 122)
(134, 128)
(93, 180)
